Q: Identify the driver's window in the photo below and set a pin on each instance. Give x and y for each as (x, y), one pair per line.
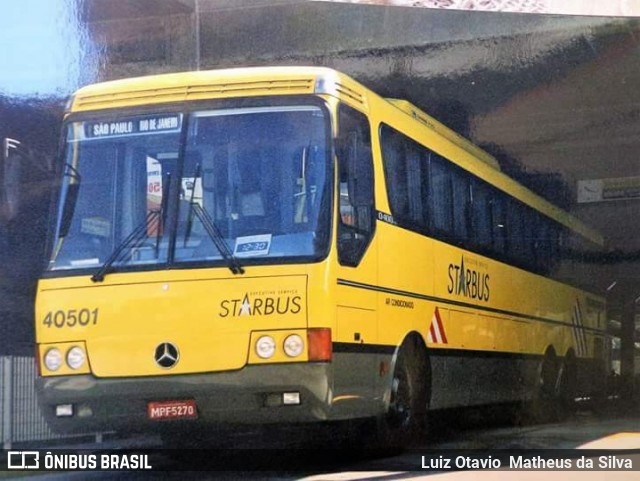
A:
(355, 171)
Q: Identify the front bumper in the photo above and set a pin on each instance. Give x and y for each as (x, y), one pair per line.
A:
(245, 396)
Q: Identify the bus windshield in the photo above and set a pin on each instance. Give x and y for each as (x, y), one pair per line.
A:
(195, 188)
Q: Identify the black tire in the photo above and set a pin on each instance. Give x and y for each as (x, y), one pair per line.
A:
(406, 421)
(599, 398)
(543, 407)
(567, 390)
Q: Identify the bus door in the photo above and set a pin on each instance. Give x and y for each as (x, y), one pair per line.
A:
(357, 327)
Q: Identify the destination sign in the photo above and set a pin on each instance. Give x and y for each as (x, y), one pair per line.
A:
(133, 126)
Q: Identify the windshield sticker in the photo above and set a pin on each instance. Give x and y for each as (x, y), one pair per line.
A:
(135, 126)
(94, 261)
(253, 245)
(191, 190)
(95, 226)
(154, 193)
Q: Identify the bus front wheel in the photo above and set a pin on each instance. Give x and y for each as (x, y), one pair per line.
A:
(406, 420)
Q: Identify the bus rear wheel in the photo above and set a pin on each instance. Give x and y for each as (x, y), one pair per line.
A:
(544, 404)
(567, 390)
(406, 420)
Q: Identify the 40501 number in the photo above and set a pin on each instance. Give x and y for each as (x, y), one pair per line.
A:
(71, 317)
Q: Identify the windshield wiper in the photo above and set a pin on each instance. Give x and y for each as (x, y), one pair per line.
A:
(155, 219)
(137, 235)
(210, 226)
(217, 238)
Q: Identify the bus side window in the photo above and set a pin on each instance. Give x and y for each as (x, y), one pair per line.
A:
(542, 245)
(407, 173)
(441, 196)
(481, 204)
(395, 169)
(499, 223)
(461, 206)
(530, 219)
(515, 246)
(554, 245)
(415, 187)
(355, 170)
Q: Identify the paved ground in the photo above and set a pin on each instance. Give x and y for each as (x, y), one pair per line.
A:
(456, 431)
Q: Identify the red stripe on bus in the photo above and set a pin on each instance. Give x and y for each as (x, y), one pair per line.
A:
(441, 327)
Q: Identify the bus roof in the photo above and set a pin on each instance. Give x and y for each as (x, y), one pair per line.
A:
(200, 85)
(301, 80)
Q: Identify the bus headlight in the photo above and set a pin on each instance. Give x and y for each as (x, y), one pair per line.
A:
(53, 359)
(293, 345)
(75, 358)
(265, 347)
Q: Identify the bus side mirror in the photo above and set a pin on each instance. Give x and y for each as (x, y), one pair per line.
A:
(68, 208)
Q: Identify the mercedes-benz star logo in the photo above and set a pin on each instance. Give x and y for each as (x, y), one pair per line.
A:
(166, 355)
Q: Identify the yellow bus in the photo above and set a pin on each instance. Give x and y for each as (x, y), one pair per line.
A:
(282, 245)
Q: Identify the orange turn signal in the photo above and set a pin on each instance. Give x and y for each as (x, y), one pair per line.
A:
(319, 344)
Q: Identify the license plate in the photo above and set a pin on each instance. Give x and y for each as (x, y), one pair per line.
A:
(172, 410)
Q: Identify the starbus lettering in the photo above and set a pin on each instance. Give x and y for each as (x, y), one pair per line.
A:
(260, 306)
(471, 283)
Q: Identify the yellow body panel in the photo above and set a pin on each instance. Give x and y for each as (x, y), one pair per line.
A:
(209, 315)
(502, 309)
